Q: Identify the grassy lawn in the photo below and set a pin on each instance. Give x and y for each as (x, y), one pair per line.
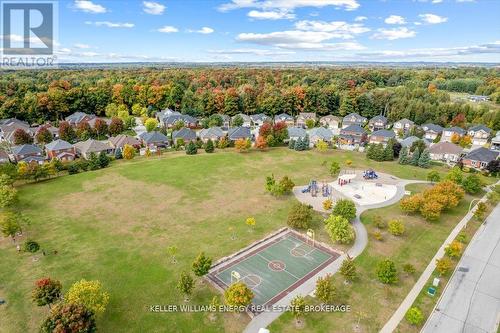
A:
(115, 224)
(372, 303)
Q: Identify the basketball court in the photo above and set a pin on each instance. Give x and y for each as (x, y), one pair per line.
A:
(275, 266)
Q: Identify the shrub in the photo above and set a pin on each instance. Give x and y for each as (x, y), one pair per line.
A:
(345, 208)
(339, 229)
(472, 184)
(69, 317)
(238, 294)
(414, 316)
(325, 290)
(462, 237)
(409, 269)
(209, 146)
(443, 265)
(89, 294)
(379, 222)
(396, 227)
(128, 152)
(454, 249)
(378, 236)
(348, 270)
(300, 216)
(327, 204)
(191, 148)
(433, 176)
(31, 246)
(286, 184)
(386, 272)
(46, 291)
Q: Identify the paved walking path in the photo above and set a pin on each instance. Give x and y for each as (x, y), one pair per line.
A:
(266, 318)
(393, 322)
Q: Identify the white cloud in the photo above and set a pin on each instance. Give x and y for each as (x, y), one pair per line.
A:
(432, 18)
(392, 34)
(395, 19)
(111, 24)
(257, 52)
(338, 29)
(204, 30)
(89, 7)
(153, 8)
(168, 29)
(437, 1)
(360, 18)
(270, 15)
(288, 4)
(81, 46)
(33, 41)
(466, 0)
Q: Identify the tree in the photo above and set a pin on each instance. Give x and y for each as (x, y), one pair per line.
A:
(286, 185)
(151, 124)
(89, 294)
(414, 316)
(325, 290)
(386, 272)
(116, 126)
(66, 132)
(345, 208)
(43, 135)
(443, 265)
(69, 317)
(433, 176)
(261, 143)
(339, 229)
(300, 216)
(472, 184)
(250, 222)
(310, 123)
(454, 249)
(493, 167)
(480, 211)
(223, 143)
(185, 285)
(403, 156)
(201, 265)
(334, 168)
(191, 148)
(101, 127)
(396, 227)
(298, 305)
(242, 145)
(46, 292)
(424, 160)
(238, 294)
(128, 152)
(21, 137)
(415, 157)
(348, 269)
(455, 175)
(10, 224)
(103, 159)
(209, 146)
(238, 121)
(409, 269)
(321, 146)
(8, 195)
(84, 131)
(172, 252)
(291, 144)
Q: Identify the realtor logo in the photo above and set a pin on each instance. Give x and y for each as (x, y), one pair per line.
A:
(28, 33)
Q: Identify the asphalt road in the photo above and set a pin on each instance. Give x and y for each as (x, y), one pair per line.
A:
(471, 300)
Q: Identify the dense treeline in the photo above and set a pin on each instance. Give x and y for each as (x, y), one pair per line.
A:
(418, 94)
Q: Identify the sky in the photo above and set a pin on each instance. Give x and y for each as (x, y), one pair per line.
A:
(278, 30)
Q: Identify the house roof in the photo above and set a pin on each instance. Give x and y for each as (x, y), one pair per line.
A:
(238, 133)
(324, 133)
(58, 145)
(482, 154)
(378, 118)
(173, 118)
(3, 155)
(243, 116)
(479, 128)
(154, 136)
(121, 140)
(211, 132)
(455, 129)
(355, 116)
(405, 121)
(407, 142)
(283, 117)
(259, 117)
(77, 117)
(384, 133)
(7, 121)
(296, 132)
(26, 149)
(307, 115)
(353, 128)
(91, 146)
(93, 120)
(432, 128)
(184, 133)
(329, 118)
(445, 148)
(30, 159)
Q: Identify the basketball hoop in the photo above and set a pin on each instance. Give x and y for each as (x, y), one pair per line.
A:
(310, 236)
(235, 276)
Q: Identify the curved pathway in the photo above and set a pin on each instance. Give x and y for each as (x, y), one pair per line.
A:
(266, 318)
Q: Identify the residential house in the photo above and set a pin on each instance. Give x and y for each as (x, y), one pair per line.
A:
(119, 141)
(247, 121)
(28, 153)
(353, 119)
(479, 158)
(378, 123)
(259, 119)
(445, 151)
(242, 132)
(303, 117)
(86, 148)
(9, 126)
(78, 117)
(170, 119)
(479, 135)
(478, 98)
(60, 150)
(4, 157)
(212, 133)
(408, 142)
(382, 136)
(54, 131)
(186, 134)
(154, 139)
(319, 134)
(286, 118)
(432, 131)
(331, 122)
(226, 121)
(93, 120)
(352, 135)
(403, 126)
(450, 132)
(495, 142)
(295, 133)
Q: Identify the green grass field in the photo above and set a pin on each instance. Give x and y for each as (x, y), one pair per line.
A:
(115, 224)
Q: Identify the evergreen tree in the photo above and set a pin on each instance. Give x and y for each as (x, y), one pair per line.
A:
(424, 160)
(209, 146)
(103, 159)
(348, 269)
(403, 156)
(389, 152)
(191, 148)
(291, 144)
(415, 157)
(298, 145)
(118, 154)
(379, 153)
(305, 142)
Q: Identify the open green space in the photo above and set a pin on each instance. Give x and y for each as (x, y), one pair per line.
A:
(115, 224)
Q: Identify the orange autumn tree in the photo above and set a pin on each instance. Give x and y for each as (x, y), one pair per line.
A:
(238, 294)
(261, 143)
(242, 144)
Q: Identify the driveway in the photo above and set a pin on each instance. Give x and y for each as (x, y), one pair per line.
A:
(471, 300)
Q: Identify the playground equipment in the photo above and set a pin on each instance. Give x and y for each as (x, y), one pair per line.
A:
(326, 190)
(312, 188)
(370, 174)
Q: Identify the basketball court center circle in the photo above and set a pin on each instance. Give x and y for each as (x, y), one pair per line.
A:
(298, 252)
(252, 280)
(276, 265)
